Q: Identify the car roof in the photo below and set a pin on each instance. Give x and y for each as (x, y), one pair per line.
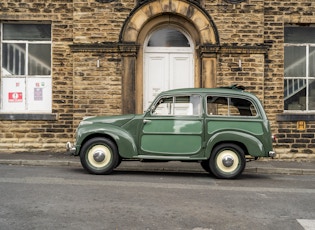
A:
(234, 89)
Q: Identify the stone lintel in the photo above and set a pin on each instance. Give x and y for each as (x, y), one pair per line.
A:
(106, 47)
(232, 49)
(289, 117)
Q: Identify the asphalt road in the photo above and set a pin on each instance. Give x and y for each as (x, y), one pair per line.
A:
(35, 197)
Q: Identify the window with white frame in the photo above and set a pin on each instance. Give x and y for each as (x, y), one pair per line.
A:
(299, 68)
(26, 85)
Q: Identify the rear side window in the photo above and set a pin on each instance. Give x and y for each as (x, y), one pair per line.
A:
(226, 106)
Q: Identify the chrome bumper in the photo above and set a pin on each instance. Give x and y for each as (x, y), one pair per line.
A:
(70, 147)
(272, 153)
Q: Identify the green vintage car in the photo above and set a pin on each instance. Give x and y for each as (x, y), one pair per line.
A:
(218, 127)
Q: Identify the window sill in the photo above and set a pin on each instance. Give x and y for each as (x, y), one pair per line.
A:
(28, 117)
(296, 117)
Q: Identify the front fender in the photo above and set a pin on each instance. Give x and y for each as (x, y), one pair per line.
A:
(125, 142)
(254, 147)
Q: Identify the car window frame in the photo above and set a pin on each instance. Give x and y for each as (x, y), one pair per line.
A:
(156, 103)
(253, 102)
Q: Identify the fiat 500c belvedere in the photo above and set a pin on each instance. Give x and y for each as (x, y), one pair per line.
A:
(217, 127)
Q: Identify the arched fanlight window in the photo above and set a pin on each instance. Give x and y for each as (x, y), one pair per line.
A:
(168, 38)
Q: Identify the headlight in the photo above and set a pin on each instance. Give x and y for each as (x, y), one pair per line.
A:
(85, 122)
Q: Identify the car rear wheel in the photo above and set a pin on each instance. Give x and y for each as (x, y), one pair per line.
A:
(227, 161)
(99, 156)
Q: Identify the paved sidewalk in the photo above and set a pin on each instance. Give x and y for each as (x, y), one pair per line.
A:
(270, 166)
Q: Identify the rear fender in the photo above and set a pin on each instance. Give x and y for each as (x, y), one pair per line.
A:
(253, 146)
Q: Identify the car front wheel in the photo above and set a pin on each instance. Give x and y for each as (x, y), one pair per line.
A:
(99, 156)
(227, 161)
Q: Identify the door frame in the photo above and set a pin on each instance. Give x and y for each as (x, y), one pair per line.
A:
(162, 21)
(182, 13)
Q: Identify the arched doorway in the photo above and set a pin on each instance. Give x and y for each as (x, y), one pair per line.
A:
(168, 62)
(186, 16)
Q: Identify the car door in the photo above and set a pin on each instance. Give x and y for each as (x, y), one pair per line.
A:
(173, 127)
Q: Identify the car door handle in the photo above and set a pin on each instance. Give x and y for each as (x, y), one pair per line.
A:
(146, 121)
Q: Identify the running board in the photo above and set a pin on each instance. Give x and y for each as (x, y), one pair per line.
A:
(176, 158)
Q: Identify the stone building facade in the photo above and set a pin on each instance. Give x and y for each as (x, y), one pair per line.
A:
(99, 54)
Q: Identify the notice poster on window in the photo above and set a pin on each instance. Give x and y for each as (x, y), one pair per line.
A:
(38, 94)
(13, 94)
(15, 97)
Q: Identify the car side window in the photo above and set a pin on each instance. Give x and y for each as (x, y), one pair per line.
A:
(178, 106)
(225, 106)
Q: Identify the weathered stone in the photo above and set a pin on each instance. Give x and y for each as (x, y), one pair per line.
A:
(94, 67)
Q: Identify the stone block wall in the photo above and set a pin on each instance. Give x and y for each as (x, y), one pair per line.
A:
(238, 24)
(41, 132)
(96, 85)
(242, 69)
(295, 144)
(291, 143)
(96, 22)
(88, 67)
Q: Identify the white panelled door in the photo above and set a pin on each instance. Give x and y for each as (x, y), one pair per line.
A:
(164, 71)
(168, 63)
(156, 76)
(181, 71)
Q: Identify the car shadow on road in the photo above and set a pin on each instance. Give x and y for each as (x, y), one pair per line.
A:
(199, 174)
(244, 176)
(159, 173)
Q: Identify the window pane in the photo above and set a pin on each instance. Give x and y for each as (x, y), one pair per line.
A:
(299, 34)
(163, 107)
(195, 100)
(13, 59)
(180, 105)
(242, 107)
(312, 62)
(168, 38)
(230, 107)
(312, 95)
(39, 60)
(295, 94)
(30, 32)
(217, 106)
(187, 105)
(295, 61)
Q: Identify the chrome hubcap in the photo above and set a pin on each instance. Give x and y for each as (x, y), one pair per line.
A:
(227, 161)
(99, 156)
